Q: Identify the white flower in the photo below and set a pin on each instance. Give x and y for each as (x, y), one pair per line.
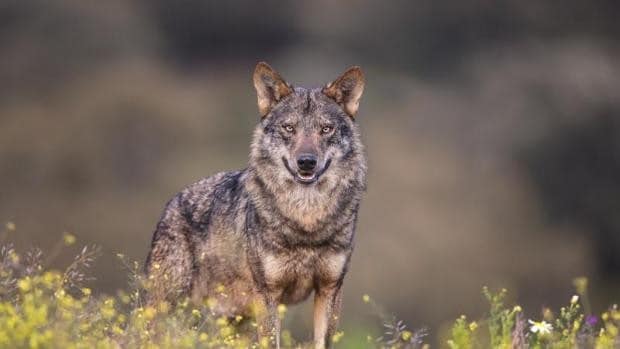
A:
(541, 327)
(574, 300)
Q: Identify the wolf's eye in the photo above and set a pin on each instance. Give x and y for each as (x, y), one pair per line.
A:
(288, 128)
(326, 129)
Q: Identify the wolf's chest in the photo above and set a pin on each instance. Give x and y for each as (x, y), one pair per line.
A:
(293, 276)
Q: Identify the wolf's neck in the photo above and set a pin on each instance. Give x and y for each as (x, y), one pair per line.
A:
(306, 207)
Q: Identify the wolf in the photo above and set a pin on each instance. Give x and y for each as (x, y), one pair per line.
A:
(282, 228)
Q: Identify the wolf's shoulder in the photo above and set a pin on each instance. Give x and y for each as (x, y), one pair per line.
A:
(198, 200)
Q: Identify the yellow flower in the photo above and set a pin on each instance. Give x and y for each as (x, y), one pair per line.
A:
(203, 337)
(69, 239)
(337, 336)
(517, 309)
(221, 321)
(581, 285)
(406, 335)
(473, 326)
(86, 291)
(117, 330)
(264, 342)
(149, 313)
(124, 297)
(211, 303)
(366, 298)
(163, 307)
(121, 318)
(14, 257)
(51, 279)
(226, 331)
(281, 310)
(25, 284)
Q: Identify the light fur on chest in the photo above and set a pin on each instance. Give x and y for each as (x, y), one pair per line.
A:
(293, 276)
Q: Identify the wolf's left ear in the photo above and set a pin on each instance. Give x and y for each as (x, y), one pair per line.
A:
(347, 89)
(270, 87)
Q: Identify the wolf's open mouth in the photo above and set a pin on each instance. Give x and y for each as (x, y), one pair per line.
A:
(304, 177)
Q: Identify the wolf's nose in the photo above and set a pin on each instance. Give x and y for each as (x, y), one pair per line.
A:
(306, 162)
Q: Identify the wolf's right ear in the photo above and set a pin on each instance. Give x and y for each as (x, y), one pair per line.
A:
(270, 87)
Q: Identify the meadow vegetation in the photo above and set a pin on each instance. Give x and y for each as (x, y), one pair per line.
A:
(46, 308)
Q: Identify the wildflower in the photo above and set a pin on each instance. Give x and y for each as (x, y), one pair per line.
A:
(149, 313)
(68, 239)
(281, 310)
(211, 303)
(24, 284)
(86, 291)
(264, 342)
(221, 321)
(541, 327)
(163, 307)
(60, 293)
(121, 318)
(14, 257)
(124, 297)
(366, 298)
(337, 336)
(203, 337)
(517, 309)
(473, 326)
(581, 285)
(406, 335)
(574, 300)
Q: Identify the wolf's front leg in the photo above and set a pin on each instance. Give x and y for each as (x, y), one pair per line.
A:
(327, 306)
(268, 321)
(169, 267)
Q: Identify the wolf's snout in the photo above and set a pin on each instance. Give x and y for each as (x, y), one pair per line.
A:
(306, 162)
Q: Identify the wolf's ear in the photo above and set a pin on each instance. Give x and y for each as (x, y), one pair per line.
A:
(347, 89)
(270, 87)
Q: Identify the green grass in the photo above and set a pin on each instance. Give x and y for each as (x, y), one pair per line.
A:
(43, 308)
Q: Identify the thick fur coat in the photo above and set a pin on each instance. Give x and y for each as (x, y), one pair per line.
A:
(280, 229)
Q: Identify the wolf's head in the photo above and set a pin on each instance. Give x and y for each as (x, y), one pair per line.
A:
(307, 138)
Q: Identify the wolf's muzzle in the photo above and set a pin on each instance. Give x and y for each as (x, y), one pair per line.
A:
(306, 163)
(303, 176)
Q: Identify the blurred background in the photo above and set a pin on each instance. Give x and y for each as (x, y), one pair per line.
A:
(492, 130)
